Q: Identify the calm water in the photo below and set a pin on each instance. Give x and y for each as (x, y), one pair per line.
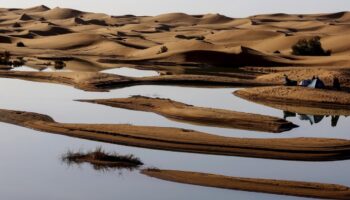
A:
(125, 71)
(31, 167)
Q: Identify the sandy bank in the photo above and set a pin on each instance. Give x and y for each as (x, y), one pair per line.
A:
(199, 115)
(174, 139)
(282, 187)
(93, 81)
(298, 96)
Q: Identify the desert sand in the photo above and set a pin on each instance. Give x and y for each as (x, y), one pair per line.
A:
(94, 81)
(209, 39)
(182, 140)
(199, 115)
(293, 188)
(301, 97)
(209, 50)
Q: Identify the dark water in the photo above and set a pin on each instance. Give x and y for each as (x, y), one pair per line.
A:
(31, 167)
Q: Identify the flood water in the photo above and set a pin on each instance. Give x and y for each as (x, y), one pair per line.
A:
(31, 167)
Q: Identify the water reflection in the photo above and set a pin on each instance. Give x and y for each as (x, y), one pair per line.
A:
(131, 72)
(313, 119)
(100, 160)
(41, 69)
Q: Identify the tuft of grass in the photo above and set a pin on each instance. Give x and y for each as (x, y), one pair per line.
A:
(102, 160)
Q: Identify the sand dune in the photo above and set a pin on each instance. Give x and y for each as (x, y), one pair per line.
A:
(41, 8)
(209, 39)
(60, 13)
(172, 18)
(214, 19)
(66, 41)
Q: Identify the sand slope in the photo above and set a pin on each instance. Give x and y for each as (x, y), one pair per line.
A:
(216, 40)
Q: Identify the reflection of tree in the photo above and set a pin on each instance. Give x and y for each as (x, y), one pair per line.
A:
(313, 119)
(287, 114)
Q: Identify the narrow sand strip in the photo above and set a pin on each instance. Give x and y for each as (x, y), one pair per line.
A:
(174, 139)
(297, 96)
(93, 81)
(199, 115)
(282, 187)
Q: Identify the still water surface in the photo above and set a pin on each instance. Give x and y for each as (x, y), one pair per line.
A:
(32, 169)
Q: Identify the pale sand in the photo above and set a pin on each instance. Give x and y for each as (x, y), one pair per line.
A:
(199, 115)
(282, 187)
(174, 139)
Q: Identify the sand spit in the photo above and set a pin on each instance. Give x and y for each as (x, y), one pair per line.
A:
(199, 115)
(93, 81)
(299, 97)
(282, 187)
(182, 140)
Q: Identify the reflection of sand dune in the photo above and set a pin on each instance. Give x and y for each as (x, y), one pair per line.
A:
(174, 139)
(283, 187)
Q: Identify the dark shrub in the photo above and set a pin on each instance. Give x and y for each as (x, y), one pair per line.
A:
(310, 47)
(16, 25)
(59, 64)
(19, 62)
(5, 58)
(20, 44)
(163, 49)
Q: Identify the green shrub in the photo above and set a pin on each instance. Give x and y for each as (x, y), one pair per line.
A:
(310, 47)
